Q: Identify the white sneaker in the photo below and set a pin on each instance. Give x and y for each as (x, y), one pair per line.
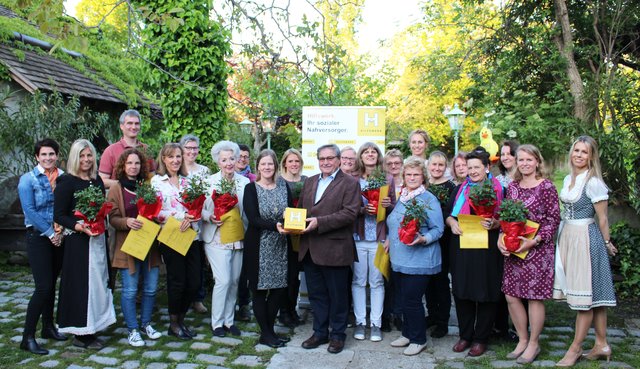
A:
(400, 342)
(358, 332)
(135, 339)
(376, 334)
(152, 333)
(414, 349)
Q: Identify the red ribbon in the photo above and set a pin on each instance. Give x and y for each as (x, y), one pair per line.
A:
(149, 211)
(97, 225)
(223, 203)
(194, 208)
(407, 233)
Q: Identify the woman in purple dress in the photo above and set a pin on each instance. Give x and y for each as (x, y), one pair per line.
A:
(531, 278)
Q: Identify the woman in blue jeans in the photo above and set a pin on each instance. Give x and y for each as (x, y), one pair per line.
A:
(43, 243)
(130, 169)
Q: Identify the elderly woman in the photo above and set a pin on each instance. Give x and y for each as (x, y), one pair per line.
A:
(349, 161)
(225, 258)
(191, 148)
(531, 278)
(291, 171)
(507, 164)
(43, 243)
(85, 303)
(476, 272)
(369, 232)
(438, 294)
(419, 143)
(393, 166)
(459, 168)
(583, 273)
(414, 263)
(265, 245)
(131, 169)
(183, 272)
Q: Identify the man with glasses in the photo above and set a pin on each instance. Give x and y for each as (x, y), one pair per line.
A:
(242, 164)
(327, 249)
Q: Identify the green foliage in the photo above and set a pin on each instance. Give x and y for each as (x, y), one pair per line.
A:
(414, 209)
(190, 50)
(89, 201)
(441, 193)
(375, 180)
(39, 116)
(627, 239)
(483, 194)
(146, 192)
(196, 187)
(513, 210)
(225, 186)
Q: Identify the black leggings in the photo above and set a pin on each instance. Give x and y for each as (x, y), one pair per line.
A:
(183, 277)
(265, 308)
(46, 261)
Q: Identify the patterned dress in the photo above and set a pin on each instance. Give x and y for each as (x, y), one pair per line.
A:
(583, 272)
(532, 277)
(273, 246)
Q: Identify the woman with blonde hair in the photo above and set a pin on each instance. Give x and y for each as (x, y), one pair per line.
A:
(419, 143)
(583, 273)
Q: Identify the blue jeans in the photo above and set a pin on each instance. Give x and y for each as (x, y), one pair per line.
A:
(411, 288)
(130, 289)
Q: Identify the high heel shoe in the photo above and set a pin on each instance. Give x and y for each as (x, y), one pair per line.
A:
(598, 353)
(514, 355)
(569, 362)
(524, 360)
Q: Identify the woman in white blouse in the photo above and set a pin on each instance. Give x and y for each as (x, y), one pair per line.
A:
(583, 274)
(183, 272)
(225, 258)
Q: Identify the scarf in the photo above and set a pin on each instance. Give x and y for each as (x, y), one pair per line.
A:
(129, 184)
(52, 175)
(406, 195)
(461, 206)
(245, 171)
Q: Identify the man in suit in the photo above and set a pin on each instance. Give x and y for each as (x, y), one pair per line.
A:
(327, 250)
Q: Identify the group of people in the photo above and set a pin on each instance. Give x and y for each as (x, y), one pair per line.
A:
(337, 249)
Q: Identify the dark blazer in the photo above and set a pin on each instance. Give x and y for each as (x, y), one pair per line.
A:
(331, 244)
(251, 253)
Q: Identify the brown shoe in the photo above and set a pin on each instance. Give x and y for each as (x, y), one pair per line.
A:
(461, 345)
(313, 342)
(335, 346)
(477, 349)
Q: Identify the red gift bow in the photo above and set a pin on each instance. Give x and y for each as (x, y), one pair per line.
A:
(513, 230)
(373, 197)
(194, 208)
(223, 203)
(295, 202)
(96, 225)
(483, 209)
(407, 233)
(149, 211)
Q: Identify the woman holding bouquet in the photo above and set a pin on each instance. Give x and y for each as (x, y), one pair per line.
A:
(415, 257)
(583, 273)
(131, 169)
(476, 272)
(266, 245)
(438, 294)
(531, 278)
(291, 168)
(183, 272)
(43, 243)
(369, 232)
(85, 303)
(225, 258)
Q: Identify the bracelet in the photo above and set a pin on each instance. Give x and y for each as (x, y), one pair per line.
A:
(607, 242)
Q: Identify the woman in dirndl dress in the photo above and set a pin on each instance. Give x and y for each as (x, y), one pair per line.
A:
(583, 274)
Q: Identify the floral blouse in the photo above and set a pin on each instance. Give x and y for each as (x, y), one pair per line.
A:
(171, 207)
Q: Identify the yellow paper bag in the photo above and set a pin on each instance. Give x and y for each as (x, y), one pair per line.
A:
(139, 241)
(171, 236)
(382, 212)
(295, 219)
(382, 261)
(473, 236)
(530, 236)
(232, 228)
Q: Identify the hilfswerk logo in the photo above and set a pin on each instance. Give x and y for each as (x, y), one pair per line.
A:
(371, 122)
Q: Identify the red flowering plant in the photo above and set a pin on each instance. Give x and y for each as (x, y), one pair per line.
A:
(295, 193)
(482, 199)
(148, 200)
(92, 208)
(193, 196)
(224, 197)
(371, 191)
(414, 215)
(513, 219)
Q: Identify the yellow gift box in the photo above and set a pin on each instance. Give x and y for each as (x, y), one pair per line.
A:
(295, 219)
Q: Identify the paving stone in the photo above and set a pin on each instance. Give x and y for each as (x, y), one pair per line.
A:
(121, 330)
(206, 321)
(543, 364)
(248, 360)
(210, 359)
(201, 346)
(127, 352)
(16, 338)
(5, 299)
(104, 360)
(282, 330)
(560, 329)
(557, 344)
(262, 348)
(616, 339)
(615, 364)
(26, 360)
(559, 353)
(131, 364)
(74, 366)
(150, 343)
(634, 332)
(251, 325)
(6, 320)
(107, 350)
(53, 352)
(72, 354)
(224, 340)
(157, 366)
(174, 344)
(5, 314)
(49, 363)
(152, 354)
(186, 366)
(216, 367)
(613, 332)
(502, 364)
(223, 351)
(177, 355)
(249, 334)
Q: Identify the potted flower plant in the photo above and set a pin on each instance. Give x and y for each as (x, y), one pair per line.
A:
(414, 215)
(482, 199)
(513, 219)
(224, 197)
(371, 192)
(92, 208)
(148, 201)
(194, 195)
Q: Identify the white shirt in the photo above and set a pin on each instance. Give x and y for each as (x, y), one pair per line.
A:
(596, 189)
(171, 207)
(323, 183)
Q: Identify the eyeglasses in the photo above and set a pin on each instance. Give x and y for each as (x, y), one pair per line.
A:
(394, 163)
(191, 148)
(347, 159)
(244, 156)
(328, 158)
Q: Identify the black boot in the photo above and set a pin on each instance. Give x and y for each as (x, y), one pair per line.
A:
(184, 328)
(50, 331)
(30, 344)
(175, 329)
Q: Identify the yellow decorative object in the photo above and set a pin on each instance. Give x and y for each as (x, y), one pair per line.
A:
(486, 141)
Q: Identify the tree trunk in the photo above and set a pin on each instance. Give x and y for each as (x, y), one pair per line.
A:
(564, 42)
